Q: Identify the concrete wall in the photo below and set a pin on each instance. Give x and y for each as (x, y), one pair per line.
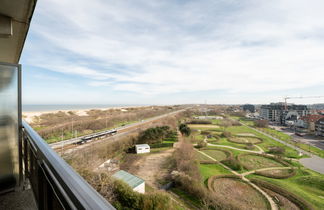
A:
(140, 188)
(142, 150)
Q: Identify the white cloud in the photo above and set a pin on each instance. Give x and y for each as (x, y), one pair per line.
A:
(168, 47)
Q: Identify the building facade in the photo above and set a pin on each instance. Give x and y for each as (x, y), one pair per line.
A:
(280, 114)
(319, 127)
(248, 107)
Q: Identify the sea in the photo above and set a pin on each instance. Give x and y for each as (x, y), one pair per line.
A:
(52, 107)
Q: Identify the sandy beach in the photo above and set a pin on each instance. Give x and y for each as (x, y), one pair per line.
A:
(29, 115)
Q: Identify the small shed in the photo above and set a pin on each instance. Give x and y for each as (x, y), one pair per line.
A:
(136, 183)
(142, 148)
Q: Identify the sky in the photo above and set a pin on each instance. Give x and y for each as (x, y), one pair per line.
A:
(174, 52)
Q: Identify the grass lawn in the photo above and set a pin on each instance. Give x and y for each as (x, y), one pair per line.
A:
(267, 141)
(239, 194)
(257, 162)
(216, 154)
(306, 184)
(201, 157)
(223, 141)
(203, 126)
(208, 170)
(217, 121)
(243, 140)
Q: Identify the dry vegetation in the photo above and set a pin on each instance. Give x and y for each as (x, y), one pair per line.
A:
(51, 125)
(236, 194)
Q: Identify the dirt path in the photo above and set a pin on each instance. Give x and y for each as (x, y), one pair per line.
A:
(152, 167)
(272, 203)
(243, 150)
(266, 169)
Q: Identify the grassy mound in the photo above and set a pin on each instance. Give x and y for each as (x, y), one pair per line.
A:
(256, 161)
(243, 197)
(300, 202)
(245, 140)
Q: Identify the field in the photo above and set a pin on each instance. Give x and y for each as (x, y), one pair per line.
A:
(245, 140)
(306, 184)
(203, 126)
(256, 162)
(266, 141)
(243, 197)
(216, 154)
(201, 157)
(208, 170)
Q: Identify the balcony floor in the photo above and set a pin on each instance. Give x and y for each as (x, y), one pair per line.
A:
(23, 200)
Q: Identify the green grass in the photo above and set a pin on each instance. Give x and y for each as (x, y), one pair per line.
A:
(217, 121)
(285, 137)
(187, 197)
(202, 157)
(216, 154)
(208, 170)
(257, 162)
(306, 184)
(267, 141)
(223, 141)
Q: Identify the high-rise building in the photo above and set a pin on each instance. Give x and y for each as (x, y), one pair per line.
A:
(279, 113)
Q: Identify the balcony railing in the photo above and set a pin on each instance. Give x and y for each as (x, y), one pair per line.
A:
(54, 183)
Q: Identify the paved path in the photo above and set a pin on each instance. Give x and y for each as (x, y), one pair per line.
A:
(268, 197)
(315, 162)
(229, 147)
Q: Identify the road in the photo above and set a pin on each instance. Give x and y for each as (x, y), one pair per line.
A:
(132, 126)
(315, 162)
(307, 139)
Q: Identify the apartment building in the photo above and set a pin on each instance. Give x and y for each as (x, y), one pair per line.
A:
(280, 114)
(319, 127)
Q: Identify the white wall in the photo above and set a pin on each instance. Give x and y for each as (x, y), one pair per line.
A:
(140, 188)
(142, 150)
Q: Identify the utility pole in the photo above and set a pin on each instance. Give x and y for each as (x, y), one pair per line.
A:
(72, 128)
(62, 137)
(106, 120)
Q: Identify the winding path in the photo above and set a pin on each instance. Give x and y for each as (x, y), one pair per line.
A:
(268, 197)
(265, 169)
(315, 162)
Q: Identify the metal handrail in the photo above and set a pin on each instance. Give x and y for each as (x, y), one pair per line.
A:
(70, 189)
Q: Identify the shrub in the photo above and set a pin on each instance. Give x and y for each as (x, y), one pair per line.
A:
(184, 129)
(154, 135)
(262, 123)
(226, 134)
(122, 196)
(200, 122)
(249, 146)
(205, 133)
(232, 163)
(276, 150)
(201, 144)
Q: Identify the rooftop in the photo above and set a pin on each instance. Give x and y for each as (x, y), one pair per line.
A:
(142, 145)
(130, 179)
